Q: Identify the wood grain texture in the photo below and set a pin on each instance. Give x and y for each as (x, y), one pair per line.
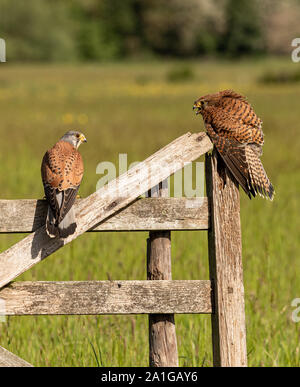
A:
(106, 297)
(8, 359)
(105, 202)
(226, 271)
(20, 216)
(163, 350)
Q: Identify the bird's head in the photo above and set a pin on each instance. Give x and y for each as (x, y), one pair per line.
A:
(75, 138)
(200, 105)
(204, 103)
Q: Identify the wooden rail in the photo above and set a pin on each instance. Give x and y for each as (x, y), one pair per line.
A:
(20, 216)
(106, 297)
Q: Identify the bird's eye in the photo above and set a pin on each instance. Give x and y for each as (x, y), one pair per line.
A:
(77, 135)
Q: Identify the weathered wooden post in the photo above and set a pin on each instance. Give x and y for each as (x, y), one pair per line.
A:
(162, 335)
(225, 261)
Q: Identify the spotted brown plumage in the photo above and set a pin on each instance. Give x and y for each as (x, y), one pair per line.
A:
(236, 131)
(62, 171)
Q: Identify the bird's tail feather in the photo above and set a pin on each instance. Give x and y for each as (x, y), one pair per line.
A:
(68, 225)
(245, 165)
(236, 163)
(62, 230)
(259, 178)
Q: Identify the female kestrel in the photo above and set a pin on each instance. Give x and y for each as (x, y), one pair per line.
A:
(62, 171)
(236, 132)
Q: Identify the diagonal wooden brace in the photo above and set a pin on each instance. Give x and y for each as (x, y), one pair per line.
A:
(8, 359)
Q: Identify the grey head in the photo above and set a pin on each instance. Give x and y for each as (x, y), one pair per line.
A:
(75, 138)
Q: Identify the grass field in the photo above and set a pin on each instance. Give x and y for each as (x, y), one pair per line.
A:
(136, 108)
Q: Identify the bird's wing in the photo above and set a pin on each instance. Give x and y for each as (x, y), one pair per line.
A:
(73, 177)
(233, 126)
(68, 199)
(242, 159)
(234, 156)
(62, 171)
(244, 123)
(50, 180)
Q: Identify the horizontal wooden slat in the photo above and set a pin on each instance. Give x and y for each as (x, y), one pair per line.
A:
(106, 297)
(8, 359)
(18, 216)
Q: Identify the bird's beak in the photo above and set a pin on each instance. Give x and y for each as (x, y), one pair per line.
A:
(82, 138)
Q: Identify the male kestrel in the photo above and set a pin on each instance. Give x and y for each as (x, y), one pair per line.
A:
(62, 171)
(236, 132)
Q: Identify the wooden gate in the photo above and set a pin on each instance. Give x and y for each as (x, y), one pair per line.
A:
(117, 207)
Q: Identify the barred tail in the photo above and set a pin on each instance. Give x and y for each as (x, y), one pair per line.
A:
(259, 179)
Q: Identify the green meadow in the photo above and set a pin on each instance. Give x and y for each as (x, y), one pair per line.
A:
(137, 108)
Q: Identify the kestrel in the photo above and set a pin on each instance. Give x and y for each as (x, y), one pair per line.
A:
(62, 171)
(236, 132)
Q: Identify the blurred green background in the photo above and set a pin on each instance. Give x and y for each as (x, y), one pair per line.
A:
(98, 30)
(126, 73)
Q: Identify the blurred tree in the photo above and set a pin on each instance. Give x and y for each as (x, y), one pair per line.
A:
(108, 29)
(97, 30)
(36, 31)
(182, 28)
(281, 24)
(243, 33)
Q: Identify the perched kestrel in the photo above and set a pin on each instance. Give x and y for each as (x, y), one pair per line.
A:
(236, 132)
(62, 171)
